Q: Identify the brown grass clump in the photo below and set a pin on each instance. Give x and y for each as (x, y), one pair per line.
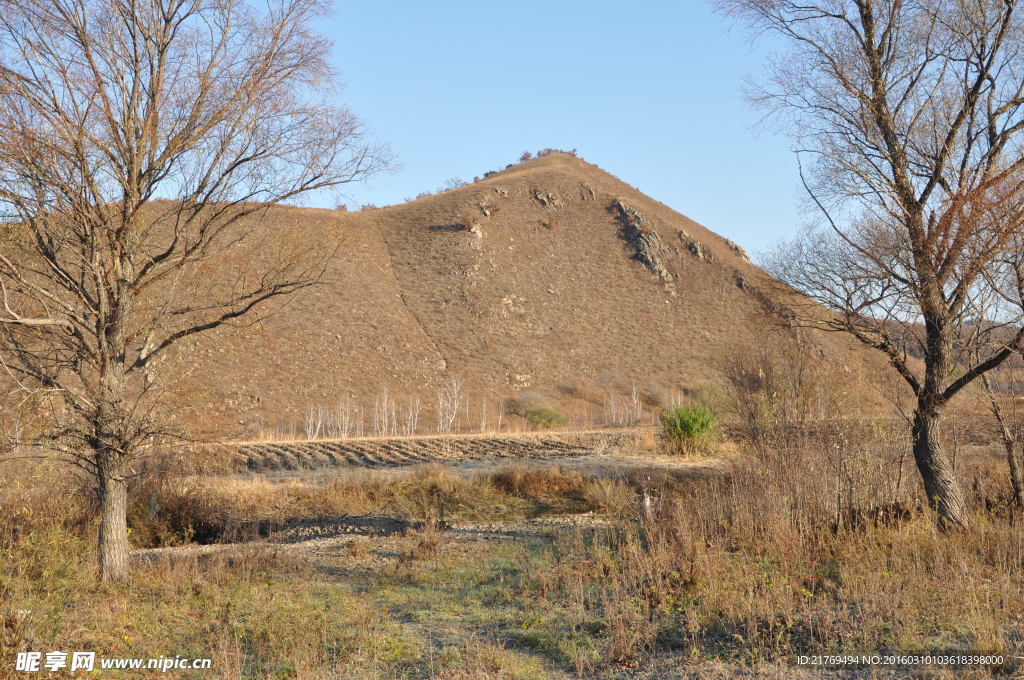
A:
(470, 219)
(422, 545)
(648, 440)
(537, 482)
(358, 549)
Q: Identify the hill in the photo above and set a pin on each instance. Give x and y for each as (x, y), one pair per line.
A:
(550, 282)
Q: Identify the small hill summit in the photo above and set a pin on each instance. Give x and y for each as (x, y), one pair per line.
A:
(551, 282)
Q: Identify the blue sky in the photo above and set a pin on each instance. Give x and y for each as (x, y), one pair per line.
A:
(650, 91)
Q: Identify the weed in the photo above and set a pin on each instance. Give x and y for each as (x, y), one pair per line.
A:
(688, 429)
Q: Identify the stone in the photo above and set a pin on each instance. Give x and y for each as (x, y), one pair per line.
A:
(696, 248)
(649, 249)
(548, 199)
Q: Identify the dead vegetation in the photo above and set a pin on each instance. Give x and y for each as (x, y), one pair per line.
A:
(817, 540)
(222, 510)
(809, 545)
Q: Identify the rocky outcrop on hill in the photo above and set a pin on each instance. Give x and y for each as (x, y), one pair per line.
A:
(696, 248)
(548, 199)
(648, 247)
(737, 249)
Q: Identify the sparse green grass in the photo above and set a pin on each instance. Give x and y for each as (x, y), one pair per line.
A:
(257, 616)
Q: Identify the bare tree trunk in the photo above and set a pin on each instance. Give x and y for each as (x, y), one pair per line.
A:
(1015, 472)
(1010, 444)
(941, 485)
(112, 489)
(1009, 437)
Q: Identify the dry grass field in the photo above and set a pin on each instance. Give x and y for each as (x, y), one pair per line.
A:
(794, 543)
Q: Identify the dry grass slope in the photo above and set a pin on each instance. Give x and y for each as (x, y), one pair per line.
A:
(531, 281)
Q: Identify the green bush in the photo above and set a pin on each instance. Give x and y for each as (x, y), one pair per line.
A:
(544, 418)
(688, 429)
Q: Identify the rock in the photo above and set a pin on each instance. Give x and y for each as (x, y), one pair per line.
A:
(737, 249)
(696, 248)
(638, 232)
(548, 199)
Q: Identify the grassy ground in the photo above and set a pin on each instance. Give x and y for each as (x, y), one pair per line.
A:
(787, 555)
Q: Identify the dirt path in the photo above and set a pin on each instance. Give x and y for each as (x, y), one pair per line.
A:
(381, 531)
(364, 560)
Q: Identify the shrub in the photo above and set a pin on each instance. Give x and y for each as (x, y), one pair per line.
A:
(688, 429)
(521, 403)
(470, 219)
(525, 156)
(452, 183)
(772, 393)
(544, 418)
(547, 152)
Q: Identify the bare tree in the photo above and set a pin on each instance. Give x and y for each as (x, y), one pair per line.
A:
(626, 414)
(339, 421)
(317, 419)
(635, 406)
(1009, 287)
(384, 420)
(106, 107)
(359, 417)
(411, 415)
(450, 398)
(910, 116)
(1009, 432)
